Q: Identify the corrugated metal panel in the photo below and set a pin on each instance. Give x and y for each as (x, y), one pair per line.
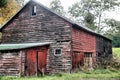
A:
(22, 45)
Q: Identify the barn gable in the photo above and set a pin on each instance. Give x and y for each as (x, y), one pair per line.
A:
(70, 44)
(77, 25)
(24, 25)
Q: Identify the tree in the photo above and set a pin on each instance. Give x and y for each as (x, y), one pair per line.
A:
(89, 21)
(114, 25)
(112, 28)
(20, 2)
(3, 3)
(116, 40)
(95, 7)
(7, 10)
(114, 32)
(81, 11)
(56, 6)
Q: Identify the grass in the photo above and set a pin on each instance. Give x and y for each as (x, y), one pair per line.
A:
(97, 74)
(116, 51)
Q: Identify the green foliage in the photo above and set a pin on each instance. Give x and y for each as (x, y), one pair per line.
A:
(3, 3)
(116, 52)
(56, 6)
(58, 74)
(114, 32)
(99, 74)
(116, 41)
(82, 9)
(75, 10)
(111, 63)
(89, 20)
(8, 10)
(7, 78)
(114, 25)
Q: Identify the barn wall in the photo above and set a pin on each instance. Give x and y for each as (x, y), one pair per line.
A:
(61, 63)
(22, 63)
(44, 26)
(104, 48)
(82, 42)
(12, 63)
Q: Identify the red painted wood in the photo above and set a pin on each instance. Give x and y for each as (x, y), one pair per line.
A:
(82, 42)
(42, 55)
(77, 59)
(36, 61)
(31, 62)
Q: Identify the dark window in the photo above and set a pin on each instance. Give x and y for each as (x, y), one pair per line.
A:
(88, 54)
(104, 49)
(34, 10)
(13, 52)
(57, 52)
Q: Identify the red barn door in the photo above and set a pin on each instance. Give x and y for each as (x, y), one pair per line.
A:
(35, 61)
(31, 63)
(42, 54)
(77, 59)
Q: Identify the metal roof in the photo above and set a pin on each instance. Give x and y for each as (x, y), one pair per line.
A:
(63, 17)
(22, 45)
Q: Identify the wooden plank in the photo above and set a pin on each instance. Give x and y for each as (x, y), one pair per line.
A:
(30, 68)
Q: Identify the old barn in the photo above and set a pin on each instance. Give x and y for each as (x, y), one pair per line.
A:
(37, 40)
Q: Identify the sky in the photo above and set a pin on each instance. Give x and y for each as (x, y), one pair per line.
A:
(67, 3)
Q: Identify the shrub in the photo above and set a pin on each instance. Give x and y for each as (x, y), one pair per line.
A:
(109, 63)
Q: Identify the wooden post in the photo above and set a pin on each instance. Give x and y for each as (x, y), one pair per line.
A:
(36, 63)
(20, 63)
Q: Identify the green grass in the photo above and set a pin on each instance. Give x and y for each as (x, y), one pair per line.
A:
(98, 74)
(116, 51)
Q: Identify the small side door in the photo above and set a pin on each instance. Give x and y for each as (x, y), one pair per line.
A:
(31, 63)
(42, 56)
(88, 60)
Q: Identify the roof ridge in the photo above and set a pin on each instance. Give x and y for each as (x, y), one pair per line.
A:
(61, 16)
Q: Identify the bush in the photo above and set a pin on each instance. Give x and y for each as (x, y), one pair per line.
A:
(109, 63)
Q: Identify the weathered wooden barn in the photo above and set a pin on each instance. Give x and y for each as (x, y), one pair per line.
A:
(37, 40)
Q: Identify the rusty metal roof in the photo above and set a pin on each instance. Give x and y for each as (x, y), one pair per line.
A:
(22, 45)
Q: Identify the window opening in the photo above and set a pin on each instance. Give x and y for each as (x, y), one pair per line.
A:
(34, 10)
(57, 52)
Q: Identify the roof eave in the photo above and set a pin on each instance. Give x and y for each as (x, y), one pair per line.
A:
(22, 45)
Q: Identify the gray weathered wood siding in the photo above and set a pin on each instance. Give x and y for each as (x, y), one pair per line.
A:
(103, 48)
(42, 27)
(59, 63)
(12, 63)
